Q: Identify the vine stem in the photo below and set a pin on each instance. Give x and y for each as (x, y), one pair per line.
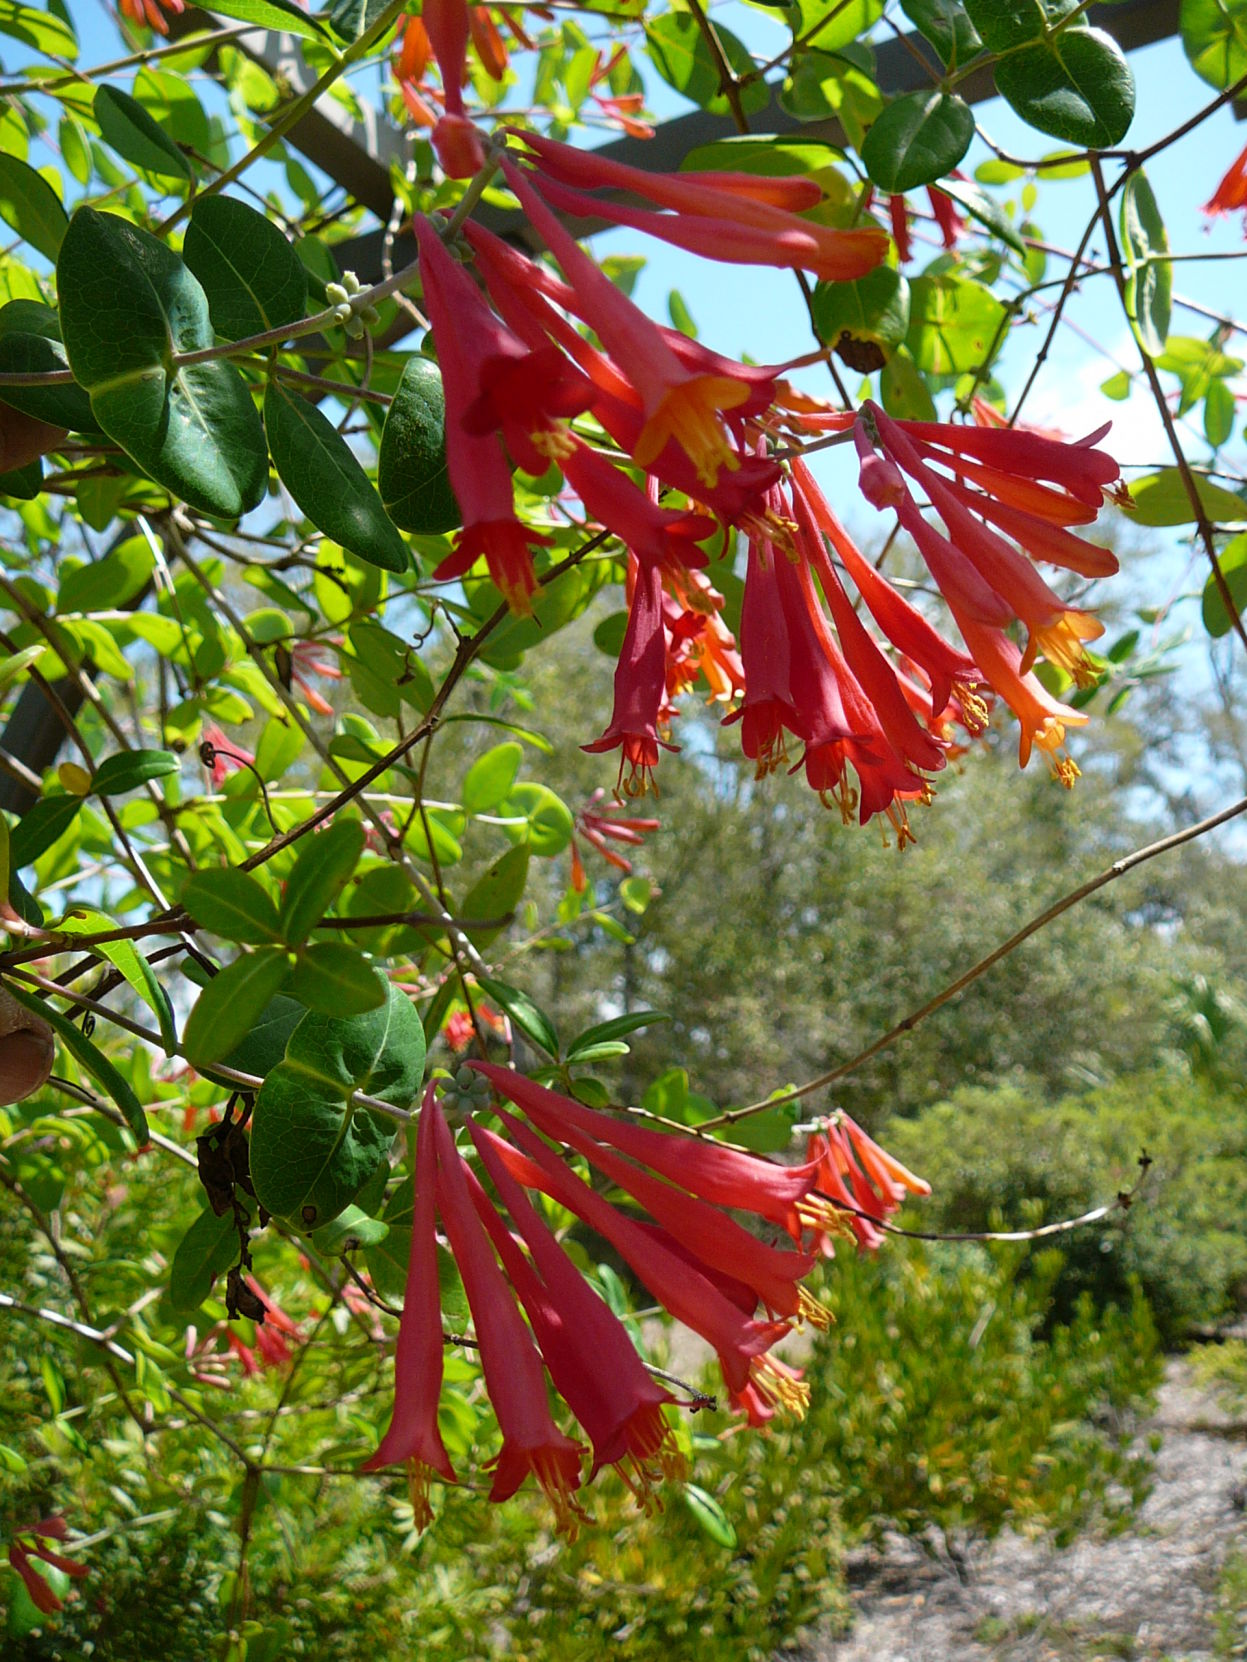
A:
(1119, 868)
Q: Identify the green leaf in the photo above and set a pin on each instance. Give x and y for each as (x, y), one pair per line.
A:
(128, 304)
(130, 769)
(109, 582)
(317, 467)
(207, 1250)
(230, 1004)
(828, 28)
(496, 894)
(265, 1045)
(531, 1021)
(349, 19)
(490, 778)
(954, 323)
(1219, 408)
(1149, 282)
(126, 127)
(31, 207)
(251, 275)
(710, 1515)
(1005, 24)
(679, 53)
(41, 29)
(337, 980)
(326, 859)
(411, 466)
(980, 206)
(349, 1231)
(1161, 499)
(769, 1132)
(93, 1062)
(917, 140)
(1076, 85)
(45, 824)
(605, 1031)
(1233, 563)
(232, 904)
(1117, 386)
(549, 819)
(282, 16)
(947, 26)
(125, 957)
(1214, 37)
(311, 1149)
(902, 390)
(872, 309)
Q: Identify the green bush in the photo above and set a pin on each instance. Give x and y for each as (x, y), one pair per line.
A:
(993, 1155)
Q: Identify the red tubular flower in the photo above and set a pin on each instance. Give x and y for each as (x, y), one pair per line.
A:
(640, 681)
(722, 1175)
(657, 536)
(458, 144)
(478, 469)
(27, 1544)
(413, 1435)
(674, 404)
(221, 756)
(898, 214)
(862, 1177)
(1231, 193)
(947, 216)
(531, 1442)
(1041, 718)
(691, 1298)
(593, 1362)
(599, 830)
(724, 216)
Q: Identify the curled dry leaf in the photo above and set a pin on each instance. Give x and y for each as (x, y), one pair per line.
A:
(27, 1047)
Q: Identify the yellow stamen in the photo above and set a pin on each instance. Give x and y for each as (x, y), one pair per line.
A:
(689, 414)
(418, 1475)
(813, 1310)
(777, 1384)
(556, 444)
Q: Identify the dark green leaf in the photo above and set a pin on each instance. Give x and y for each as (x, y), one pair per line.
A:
(92, 1061)
(128, 304)
(265, 1044)
(946, 25)
(1149, 284)
(605, 1031)
(1004, 24)
(311, 1149)
(1214, 36)
(251, 275)
(917, 140)
(531, 1021)
(337, 980)
(232, 1002)
(233, 905)
(23, 484)
(129, 769)
(326, 859)
(411, 466)
(679, 53)
(349, 1231)
(1233, 563)
(1076, 86)
(317, 467)
(126, 127)
(349, 19)
(207, 1250)
(31, 207)
(45, 824)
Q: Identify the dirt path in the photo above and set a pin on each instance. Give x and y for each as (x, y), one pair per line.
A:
(1144, 1595)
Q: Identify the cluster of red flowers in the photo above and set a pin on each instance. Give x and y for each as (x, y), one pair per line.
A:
(883, 699)
(740, 1293)
(29, 1543)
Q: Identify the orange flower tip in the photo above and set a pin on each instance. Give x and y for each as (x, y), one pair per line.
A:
(689, 414)
(1061, 643)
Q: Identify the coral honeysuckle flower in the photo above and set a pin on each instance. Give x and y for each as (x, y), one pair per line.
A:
(514, 1376)
(220, 755)
(862, 1177)
(592, 1360)
(675, 404)
(151, 12)
(1042, 719)
(640, 682)
(458, 144)
(657, 536)
(413, 1436)
(1231, 194)
(476, 462)
(597, 829)
(27, 1543)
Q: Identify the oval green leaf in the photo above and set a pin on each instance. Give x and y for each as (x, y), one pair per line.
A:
(1233, 563)
(337, 980)
(126, 127)
(317, 467)
(679, 53)
(207, 1250)
(490, 778)
(251, 275)
(1162, 499)
(31, 207)
(230, 1004)
(1214, 37)
(1149, 284)
(232, 904)
(412, 478)
(326, 859)
(917, 140)
(1076, 85)
(130, 769)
